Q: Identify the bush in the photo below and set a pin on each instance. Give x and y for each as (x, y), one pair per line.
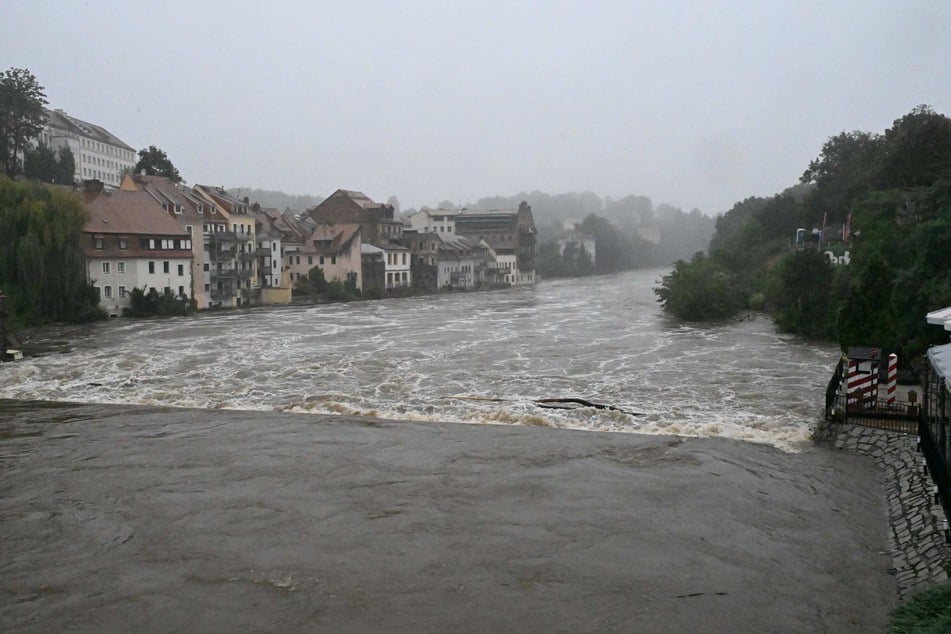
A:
(153, 304)
(928, 612)
(700, 290)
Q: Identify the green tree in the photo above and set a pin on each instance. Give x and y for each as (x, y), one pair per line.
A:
(313, 283)
(801, 294)
(42, 265)
(847, 167)
(153, 303)
(917, 149)
(155, 162)
(22, 100)
(699, 290)
(867, 315)
(42, 164)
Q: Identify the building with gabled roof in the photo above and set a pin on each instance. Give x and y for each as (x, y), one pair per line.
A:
(509, 233)
(377, 220)
(335, 248)
(131, 242)
(99, 154)
(189, 210)
(232, 248)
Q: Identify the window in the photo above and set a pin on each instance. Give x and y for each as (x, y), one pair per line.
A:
(107, 292)
(151, 267)
(206, 266)
(120, 267)
(404, 259)
(310, 259)
(105, 268)
(165, 267)
(181, 291)
(321, 260)
(98, 242)
(152, 243)
(333, 259)
(123, 243)
(122, 292)
(181, 270)
(188, 228)
(298, 259)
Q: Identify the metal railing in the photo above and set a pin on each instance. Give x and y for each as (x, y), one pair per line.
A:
(899, 417)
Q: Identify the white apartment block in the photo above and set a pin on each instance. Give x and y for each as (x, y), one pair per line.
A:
(99, 154)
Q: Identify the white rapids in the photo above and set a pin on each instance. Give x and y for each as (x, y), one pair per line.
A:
(471, 358)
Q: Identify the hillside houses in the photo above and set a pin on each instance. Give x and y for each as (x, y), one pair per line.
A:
(207, 245)
(202, 243)
(131, 242)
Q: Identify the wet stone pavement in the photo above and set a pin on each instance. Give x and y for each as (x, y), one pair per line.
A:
(916, 540)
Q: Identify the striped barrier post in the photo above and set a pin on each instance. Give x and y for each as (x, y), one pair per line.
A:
(892, 378)
(859, 385)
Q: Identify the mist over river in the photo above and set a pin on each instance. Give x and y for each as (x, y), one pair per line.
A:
(473, 358)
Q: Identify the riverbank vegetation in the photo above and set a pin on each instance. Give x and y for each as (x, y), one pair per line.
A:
(42, 266)
(883, 198)
(928, 612)
(155, 304)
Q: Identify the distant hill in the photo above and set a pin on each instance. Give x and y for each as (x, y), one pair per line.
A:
(276, 199)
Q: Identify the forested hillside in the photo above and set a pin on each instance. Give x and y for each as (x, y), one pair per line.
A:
(885, 198)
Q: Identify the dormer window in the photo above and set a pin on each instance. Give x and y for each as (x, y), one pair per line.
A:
(98, 243)
(123, 243)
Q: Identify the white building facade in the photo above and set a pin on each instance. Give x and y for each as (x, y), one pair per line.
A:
(98, 153)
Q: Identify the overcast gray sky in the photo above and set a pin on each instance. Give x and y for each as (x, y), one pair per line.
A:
(697, 104)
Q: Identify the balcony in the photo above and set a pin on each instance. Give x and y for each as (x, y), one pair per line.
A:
(223, 254)
(223, 274)
(243, 274)
(245, 256)
(262, 252)
(223, 236)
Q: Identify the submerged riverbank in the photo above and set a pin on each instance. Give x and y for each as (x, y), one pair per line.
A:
(135, 518)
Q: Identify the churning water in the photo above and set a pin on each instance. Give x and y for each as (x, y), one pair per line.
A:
(475, 358)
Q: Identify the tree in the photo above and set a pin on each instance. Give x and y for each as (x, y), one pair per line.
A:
(155, 162)
(848, 166)
(21, 115)
(41, 163)
(801, 296)
(42, 265)
(699, 290)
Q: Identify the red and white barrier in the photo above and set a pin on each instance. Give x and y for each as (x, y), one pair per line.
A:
(862, 383)
(892, 378)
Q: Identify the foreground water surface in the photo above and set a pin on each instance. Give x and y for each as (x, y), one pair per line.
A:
(474, 358)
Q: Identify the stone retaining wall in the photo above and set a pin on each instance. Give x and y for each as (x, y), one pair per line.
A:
(916, 541)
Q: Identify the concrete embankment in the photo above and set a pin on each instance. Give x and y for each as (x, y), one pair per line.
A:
(916, 543)
(118, 519)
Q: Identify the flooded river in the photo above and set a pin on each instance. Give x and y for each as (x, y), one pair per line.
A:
(475, 358)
